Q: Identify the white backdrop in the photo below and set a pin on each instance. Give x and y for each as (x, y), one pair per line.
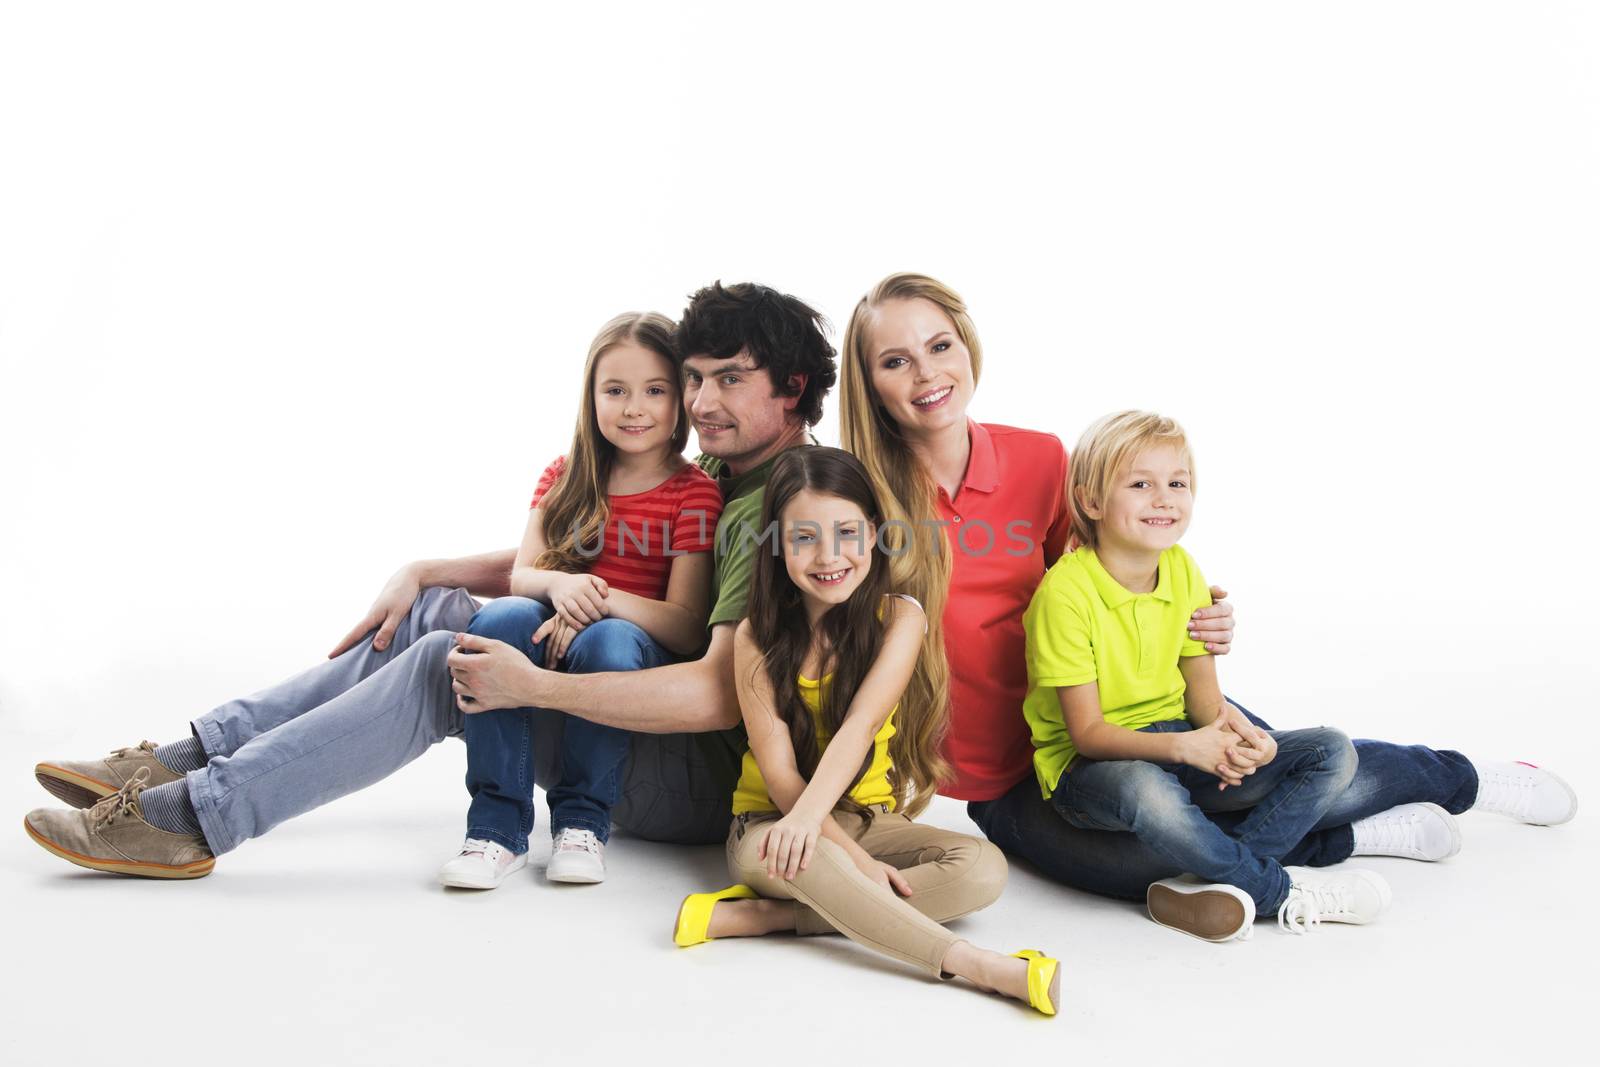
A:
(292, 294)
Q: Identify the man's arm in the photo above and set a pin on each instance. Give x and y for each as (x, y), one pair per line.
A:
(487, 575)
(679, 698)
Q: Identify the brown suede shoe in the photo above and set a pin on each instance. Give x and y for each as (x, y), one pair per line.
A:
(113, 836)
(82, 783)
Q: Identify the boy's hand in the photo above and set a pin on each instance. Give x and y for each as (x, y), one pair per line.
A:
(1253, 738)
(1214, 748)
(1213, 626)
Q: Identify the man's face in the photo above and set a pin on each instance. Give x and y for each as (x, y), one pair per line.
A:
(731, 404)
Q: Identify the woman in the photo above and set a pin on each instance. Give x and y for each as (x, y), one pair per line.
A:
(911, 363)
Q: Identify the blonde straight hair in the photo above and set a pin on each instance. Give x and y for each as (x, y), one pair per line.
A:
(576, 508)
(1108, 446)
(920, 562)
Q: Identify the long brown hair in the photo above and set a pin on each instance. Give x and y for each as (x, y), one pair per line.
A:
(921, 565)
(851, 633)
(576, 508)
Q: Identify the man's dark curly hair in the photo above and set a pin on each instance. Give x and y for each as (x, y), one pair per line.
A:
(781, 333)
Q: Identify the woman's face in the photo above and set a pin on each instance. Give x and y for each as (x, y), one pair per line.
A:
(918, 366)
(635, 398)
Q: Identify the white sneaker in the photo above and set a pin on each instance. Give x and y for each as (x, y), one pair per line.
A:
(576, 856)
(1525, 792)
(1410, 831)
(481, 865)
(1331, 897)
(1210, 911)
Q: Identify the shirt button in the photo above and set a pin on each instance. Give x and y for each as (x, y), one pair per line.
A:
(956, 519)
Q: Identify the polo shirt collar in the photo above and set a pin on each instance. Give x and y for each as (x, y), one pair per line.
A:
(983, 467)
(1113, 593)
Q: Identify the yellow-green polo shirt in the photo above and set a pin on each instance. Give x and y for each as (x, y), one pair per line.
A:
(1083, 626)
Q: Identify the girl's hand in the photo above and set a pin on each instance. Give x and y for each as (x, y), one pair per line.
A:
(579, 598)
(789, 845)
(556, 635)
(889, 877)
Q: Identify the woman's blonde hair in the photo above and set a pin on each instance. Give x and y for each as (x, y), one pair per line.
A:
(575, 510)
(1106, 449)
(919, 552)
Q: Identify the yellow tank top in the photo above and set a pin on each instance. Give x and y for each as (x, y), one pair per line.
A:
(873, 788)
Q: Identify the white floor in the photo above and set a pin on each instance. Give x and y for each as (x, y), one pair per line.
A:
(330, 941)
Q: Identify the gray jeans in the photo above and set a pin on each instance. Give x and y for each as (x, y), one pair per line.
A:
(354, 720)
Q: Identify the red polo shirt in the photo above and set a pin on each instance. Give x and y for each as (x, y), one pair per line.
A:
(1008, 523)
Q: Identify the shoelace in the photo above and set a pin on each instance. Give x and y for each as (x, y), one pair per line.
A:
(1307, 904)
(579, 841)
(121, 803)
(1389, 832)
(142, 746)
(1516, 793)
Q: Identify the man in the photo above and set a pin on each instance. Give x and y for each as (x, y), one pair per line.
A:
(756, 366)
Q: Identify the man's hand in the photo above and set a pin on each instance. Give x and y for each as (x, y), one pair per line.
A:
(392, 605)
(1213, 626)
(489, 674)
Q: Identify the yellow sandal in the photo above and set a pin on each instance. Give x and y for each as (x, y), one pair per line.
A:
(1044, 980)
(695, 914)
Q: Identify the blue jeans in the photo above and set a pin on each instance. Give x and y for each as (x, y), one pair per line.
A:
(1119, 865)
(500, 744)
(1164, 805)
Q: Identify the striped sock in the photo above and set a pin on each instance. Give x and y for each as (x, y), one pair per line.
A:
(167, 807)
(181, 757)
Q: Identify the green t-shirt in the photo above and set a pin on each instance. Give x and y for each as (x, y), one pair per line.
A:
(737, 536)
(1083, 626)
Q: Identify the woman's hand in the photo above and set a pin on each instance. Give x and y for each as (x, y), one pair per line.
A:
(1213, 626)
(579, 598)
(789, 845)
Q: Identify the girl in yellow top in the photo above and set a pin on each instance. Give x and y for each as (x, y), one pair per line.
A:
(822, 837)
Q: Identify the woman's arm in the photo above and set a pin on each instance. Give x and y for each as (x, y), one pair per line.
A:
(678, 622)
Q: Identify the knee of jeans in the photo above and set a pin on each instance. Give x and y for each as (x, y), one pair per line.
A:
(510, 618)
(608, 645)
(1147, 794)
(1339, 754)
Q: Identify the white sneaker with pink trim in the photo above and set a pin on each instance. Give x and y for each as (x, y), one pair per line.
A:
(577, 856)
(481, 865)
(1524, 792)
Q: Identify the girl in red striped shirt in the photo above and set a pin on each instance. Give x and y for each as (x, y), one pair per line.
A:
(614, 573)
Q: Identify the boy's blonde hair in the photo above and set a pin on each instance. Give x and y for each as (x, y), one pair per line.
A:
(1108, 446)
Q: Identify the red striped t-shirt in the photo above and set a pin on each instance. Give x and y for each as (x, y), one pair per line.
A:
(680, 514)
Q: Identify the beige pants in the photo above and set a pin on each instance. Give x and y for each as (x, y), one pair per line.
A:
(950, 874)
